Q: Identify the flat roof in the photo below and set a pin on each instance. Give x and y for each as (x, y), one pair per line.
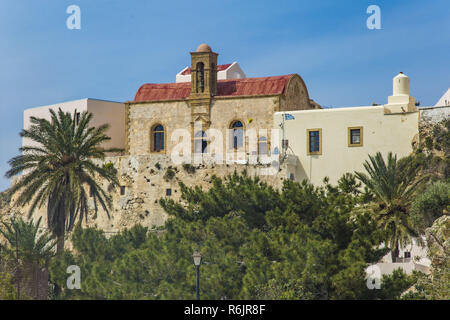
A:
(70, 101)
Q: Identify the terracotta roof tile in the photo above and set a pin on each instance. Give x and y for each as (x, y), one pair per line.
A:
(234, 87)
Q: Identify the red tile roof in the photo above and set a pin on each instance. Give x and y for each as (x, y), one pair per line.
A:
(220, 67)
(233, 87)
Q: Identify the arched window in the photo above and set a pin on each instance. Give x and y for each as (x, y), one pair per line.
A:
(262, 146)
(157, 143)
(200, 143)
(200, 77)
(237, 134)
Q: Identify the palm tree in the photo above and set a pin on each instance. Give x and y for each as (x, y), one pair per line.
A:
(393, 185)
(25, 239)
(26, 256)
(59, 168)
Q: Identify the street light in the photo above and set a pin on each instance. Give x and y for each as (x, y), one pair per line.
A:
(197, 261)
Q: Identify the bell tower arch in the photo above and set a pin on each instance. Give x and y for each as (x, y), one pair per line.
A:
(204, 72)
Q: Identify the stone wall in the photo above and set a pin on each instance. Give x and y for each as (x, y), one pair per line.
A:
(254, 113)
(296, 96)
(146, 181)
(143, 116)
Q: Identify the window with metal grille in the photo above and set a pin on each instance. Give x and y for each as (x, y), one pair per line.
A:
(355, 136)
(314, 141)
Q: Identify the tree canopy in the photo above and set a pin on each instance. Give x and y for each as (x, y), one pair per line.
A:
(302, 242)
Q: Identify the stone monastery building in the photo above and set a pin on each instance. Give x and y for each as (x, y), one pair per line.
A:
(268, 126)
(208, 95)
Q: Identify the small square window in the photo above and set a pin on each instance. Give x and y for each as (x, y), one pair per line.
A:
(122, 190)
(314, 143)
(407, 254)
(168, 192)
(355, 136)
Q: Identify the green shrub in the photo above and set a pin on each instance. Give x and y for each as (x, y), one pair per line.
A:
(170, 173)
(109, 166)
(429, 143)
(189, 168)
(7, 290)
(429, 205)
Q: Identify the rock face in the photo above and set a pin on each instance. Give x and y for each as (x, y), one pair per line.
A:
(144, 181)
(434, 114)
(438, 240)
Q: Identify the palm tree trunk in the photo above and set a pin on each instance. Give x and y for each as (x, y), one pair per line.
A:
(59, 251)
(394, 253)
(60, 244)
(57, 224)
(61, 234)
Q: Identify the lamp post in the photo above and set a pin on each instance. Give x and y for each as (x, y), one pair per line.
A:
(197, 261)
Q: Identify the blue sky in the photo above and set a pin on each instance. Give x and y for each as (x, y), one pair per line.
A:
(123, 44)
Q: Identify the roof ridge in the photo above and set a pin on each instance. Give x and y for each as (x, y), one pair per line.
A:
(222, 80)
(270, 85)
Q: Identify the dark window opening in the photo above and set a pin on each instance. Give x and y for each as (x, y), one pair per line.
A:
(314, 141)
(237, 134)
(122, 190)
(200, 76)
(262, 146)
(355, 136)
(200, 142)
(168, 192)
(158, 138)
(77, 118)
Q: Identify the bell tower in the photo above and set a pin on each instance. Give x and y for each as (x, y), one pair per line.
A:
(203, 72)
(203, 86)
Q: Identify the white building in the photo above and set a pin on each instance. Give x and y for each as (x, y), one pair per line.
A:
(444, 100)
(224, 72)
(412, 257)
(330, 142)
(112, 113)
